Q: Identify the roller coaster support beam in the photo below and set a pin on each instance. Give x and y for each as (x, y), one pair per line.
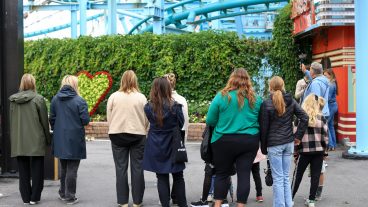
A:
(91, 6)
(111, 17)
(239, 24)
(74, 24)
(155, 9)
(83, 17)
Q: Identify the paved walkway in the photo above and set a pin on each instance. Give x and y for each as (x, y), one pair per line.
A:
(346, 182)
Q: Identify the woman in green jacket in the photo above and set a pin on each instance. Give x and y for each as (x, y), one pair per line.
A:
(29, 135)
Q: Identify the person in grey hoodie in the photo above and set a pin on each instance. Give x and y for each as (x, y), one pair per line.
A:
(29, 136)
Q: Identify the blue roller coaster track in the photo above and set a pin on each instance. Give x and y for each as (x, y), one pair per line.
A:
(247, 17)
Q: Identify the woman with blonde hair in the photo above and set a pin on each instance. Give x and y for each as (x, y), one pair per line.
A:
(127, 131)
(277, 137)
(68, 116)
(312, 146)
(29, 136)
(234, 115)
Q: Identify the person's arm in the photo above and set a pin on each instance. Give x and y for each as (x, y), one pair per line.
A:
(186, 118)
(325, 132)
(83, 112)
(299, 91)
(180, 116)
(303, 121)
(109, 108)
(52, 117)
(264, 123)
(42, 114)
(213, 111)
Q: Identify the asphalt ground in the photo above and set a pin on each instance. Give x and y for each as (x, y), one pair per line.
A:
(345, 185)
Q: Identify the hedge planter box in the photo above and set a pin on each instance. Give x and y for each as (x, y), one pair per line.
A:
(98, 130)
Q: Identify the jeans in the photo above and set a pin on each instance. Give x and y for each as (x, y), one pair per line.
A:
(331, 129)
(121, 152)
(163, 187)
(30, 168)
(280, 160)
(68, 178)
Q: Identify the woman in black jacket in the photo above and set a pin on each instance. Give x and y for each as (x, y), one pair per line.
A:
(277, 137)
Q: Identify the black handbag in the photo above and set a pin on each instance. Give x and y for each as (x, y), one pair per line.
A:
(206, 152)
(180, 152)
(268, 172)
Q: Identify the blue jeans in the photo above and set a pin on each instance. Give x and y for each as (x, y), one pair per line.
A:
(280, 160)
(331, 129)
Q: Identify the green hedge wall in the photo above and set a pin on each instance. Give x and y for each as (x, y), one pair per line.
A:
(202, 61)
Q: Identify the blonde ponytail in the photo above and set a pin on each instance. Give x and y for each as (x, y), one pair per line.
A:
(277, 86)
(313, 106)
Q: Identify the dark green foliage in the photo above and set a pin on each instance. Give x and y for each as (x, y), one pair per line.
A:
(202, 61)
(283, 54)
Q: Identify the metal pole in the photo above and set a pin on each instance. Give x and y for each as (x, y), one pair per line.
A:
(158, 18)
(239, 24)
(361, 55)
(11, 69)
(111, 17)
(83, 16)
(74, 24)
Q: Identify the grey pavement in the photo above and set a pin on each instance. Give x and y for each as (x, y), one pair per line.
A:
(345, 184)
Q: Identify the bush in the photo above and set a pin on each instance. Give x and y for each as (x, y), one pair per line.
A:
(202, 61)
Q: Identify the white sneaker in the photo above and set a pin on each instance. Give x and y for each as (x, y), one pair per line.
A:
(309, 203)
(210, 198)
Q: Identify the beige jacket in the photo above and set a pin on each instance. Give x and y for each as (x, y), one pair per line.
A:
(181, 100)
(125, 113)
(301, 85)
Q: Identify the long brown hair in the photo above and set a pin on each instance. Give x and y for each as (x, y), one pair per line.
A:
(129, 82)
(277, 86)
(28, 82)
(240, 80)
(160, 95)
(331, 73)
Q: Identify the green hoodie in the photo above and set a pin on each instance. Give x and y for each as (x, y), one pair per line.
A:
(29, 126)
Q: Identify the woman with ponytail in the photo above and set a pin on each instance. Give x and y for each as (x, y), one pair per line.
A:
(235, 139)
(277, 137)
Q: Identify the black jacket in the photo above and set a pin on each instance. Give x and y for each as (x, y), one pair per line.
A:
(278, 130)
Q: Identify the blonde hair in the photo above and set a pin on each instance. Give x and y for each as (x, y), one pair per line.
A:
(70, 80)
(172, 79)
(313, 106)
(277, 86)
(129, 82)
(28, 82)
(240, 80)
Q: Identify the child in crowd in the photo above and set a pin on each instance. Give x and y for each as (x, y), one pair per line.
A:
(312, 146)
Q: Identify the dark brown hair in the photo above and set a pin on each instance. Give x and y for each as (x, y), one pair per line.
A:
(160, 96)
(333, 78)
(240, 80)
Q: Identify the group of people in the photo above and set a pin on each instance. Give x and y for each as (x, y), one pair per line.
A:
(143, 132)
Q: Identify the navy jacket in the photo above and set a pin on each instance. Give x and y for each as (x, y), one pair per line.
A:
(158, 151)
(68, 116)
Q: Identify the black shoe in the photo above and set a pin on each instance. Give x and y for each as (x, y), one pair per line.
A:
(174, 202)
(199, 203)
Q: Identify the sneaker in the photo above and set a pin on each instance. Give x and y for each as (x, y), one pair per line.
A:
(72, 201)
(259, 199)
(62, 198)
(210, 198)
(309, 203)
(33, 202)
(199, 203)
(225, 203)
(123, 205)
(137, 205)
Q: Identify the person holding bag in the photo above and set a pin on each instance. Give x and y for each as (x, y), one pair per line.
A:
(165, 117)
(277, 137)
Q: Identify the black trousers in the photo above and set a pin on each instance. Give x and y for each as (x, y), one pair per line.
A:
(125, 145)
(31, 167)
(257, 178)
(315, 162)
(163, 187)
(68, 178)
(240, 149)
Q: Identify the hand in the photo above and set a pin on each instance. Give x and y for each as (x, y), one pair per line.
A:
(303, 68)
(296, 142)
